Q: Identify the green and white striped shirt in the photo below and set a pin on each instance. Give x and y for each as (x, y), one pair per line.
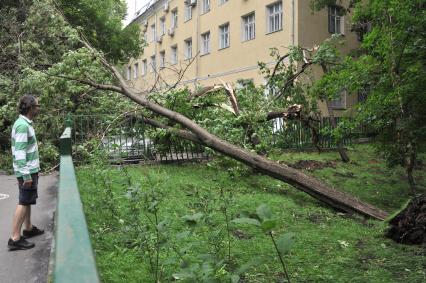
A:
(24, 148)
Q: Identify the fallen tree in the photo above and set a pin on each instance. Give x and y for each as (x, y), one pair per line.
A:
(195, 133)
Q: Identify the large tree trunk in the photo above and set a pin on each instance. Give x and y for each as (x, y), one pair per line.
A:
(411, 162)
(299, 180)
(340, 148)
(343, 154)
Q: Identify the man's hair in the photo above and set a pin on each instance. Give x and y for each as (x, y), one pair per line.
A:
(25, 104)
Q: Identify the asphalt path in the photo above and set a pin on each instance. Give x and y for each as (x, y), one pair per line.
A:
(27, 266)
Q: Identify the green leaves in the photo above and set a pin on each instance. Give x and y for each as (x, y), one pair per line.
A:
(265, 219)
(264, 212)
(194, 218)
(285, 242)
(100, 22)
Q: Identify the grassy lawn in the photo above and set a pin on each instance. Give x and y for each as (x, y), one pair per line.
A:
(184, 212)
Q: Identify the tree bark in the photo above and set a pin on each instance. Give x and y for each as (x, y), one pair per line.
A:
(340, 148)
(343, 154)
(411, 162)
(310, 185)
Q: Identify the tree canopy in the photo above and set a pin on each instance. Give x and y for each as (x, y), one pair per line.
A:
(390, 68)
(101, 23)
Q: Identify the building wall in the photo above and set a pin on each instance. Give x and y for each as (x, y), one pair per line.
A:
(238, 61)
(312, 28)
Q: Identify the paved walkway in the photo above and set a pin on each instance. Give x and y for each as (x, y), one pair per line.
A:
(28, 266)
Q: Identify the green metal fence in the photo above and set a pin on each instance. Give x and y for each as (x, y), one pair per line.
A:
(127, 138)
(294, 135)
(73, 256)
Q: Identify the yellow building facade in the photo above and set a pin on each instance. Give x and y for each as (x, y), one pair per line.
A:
(204, 42)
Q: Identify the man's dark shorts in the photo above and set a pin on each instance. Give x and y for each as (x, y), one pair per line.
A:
(28, 195)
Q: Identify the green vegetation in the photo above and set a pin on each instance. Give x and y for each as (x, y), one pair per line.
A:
(183, 222)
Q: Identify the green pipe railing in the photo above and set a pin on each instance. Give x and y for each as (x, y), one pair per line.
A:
(73, 255)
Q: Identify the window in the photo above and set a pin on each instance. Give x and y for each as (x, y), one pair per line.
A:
(162, 26)
(129, 72)
(221, 2)
(144, 67)
(188, 11)
(339, 101)
(249, 27)
(136, 70)
(188, 48)
(174, 18)
(275, 17)
(244, 83)
(174, 58)
(205, 43)
(363, 93)
(153, 33)
(224, 36)
(335, 19)
(205, 7)
(162, 59)
(153, 64)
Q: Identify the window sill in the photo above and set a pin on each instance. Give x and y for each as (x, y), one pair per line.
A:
(204, 54)
(271, 32)
(203, 13)
(338, 107)
(224, 47)
(248, 40)
(341, 34)
(187, 20)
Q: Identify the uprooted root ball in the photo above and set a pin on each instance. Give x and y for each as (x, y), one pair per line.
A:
(409, 226)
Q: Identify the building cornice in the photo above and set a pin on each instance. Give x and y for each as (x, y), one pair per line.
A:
(148, 10)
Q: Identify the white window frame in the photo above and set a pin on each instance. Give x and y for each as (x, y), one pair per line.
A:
(224, 36)
(129, 72)
(136, 71)
(205, 6)
(162, 59)
(144, 67)
(174, 55)
(153, 33)
(188, 48)
(174, 18)
(221, 2)
(153, 64)
(336, 20)
(187, 12)
(162, 26)
(205, 43)
(248, 26)
(274, 17)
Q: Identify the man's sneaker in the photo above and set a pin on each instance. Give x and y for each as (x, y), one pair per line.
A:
(20, 244)
(32, 233)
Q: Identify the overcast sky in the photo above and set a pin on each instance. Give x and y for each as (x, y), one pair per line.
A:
(131, 4)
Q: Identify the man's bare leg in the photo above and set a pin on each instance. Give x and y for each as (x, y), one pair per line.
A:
(18, 220)
(27, 220)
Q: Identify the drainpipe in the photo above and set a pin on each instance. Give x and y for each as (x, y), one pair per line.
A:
(292, 22)
(197, 44)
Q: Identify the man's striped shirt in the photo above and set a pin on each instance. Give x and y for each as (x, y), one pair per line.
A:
(24, 148)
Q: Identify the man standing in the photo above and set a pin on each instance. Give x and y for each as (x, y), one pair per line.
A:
(26, 166)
